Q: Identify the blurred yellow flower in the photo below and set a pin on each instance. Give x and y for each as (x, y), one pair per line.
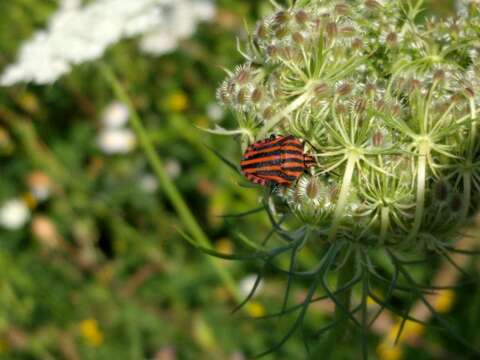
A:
(177, 102)
(224, 246)
(444, 301)
(90, 332)
(413, 329)
(388, 351)
(255, 309)
(30, 200)
(410, 330)
(371, 301)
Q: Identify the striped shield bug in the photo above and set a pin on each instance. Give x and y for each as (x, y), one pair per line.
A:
(278, 160)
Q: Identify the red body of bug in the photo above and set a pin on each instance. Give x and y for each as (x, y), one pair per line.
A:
(278, 160)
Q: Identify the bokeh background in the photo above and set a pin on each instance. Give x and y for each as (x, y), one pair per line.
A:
(92, 265)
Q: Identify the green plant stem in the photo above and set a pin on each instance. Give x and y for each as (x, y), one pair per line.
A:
(328, 345)
(384, 223)
(166, 184)
(421, 179)
(467, 175)
(299, 101)
(343, 196)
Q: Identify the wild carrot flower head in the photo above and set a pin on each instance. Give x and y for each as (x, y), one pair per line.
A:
(388, 104)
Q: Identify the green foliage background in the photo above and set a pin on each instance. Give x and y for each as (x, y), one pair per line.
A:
(124, 284)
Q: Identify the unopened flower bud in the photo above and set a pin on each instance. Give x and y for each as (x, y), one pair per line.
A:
(268, 112)
(281, 32)
(272, 51)
(298, 38)
(372, 4)
(377, 139)
(301, 17)
(331, 29)
(261, 32)
(257, 95)
(439, 75)
(357, 44)
(342, 9)
(441, 191)
(360, 105)
(281, 18)
(391, 39)
(456, 204)
(321, 90)
(344, 89)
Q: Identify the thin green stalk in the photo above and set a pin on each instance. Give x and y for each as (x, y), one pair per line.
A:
(467, 175)
(421, 179)
(327, 347)
(166, 183)
(299, 101)
(385, 223)
(343, 196)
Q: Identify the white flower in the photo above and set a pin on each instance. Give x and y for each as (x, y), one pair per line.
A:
(36, 63)
(204, 9)
(173, 168)
(77, 34)
(148, 183)
(180, 20)
(115, 115)
(247, 283)
(158, 43)
(116, 141)
(215, 112)
(14, 213)
(70, 4)
(40, 185)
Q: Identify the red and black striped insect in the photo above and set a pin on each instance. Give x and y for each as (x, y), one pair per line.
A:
(278, 160)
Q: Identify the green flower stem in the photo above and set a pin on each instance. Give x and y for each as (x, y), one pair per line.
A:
(421, 178)
(344, 193)
(467, 175)
(327, 347)
(299, 101)
(385, 223)
(467, 191)
(166, 183)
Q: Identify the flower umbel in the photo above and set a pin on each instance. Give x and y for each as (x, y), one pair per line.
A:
(78, 34)
(389, 108)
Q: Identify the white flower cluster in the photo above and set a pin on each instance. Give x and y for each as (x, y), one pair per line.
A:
(180, 20)
(247, 284)
(78, 34)
(14, 214)
(114, 137)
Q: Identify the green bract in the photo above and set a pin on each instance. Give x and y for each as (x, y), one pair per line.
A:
(388, 105)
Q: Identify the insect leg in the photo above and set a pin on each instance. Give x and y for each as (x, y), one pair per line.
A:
(255, 179)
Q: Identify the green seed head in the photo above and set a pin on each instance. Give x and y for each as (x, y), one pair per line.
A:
(389, 104)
